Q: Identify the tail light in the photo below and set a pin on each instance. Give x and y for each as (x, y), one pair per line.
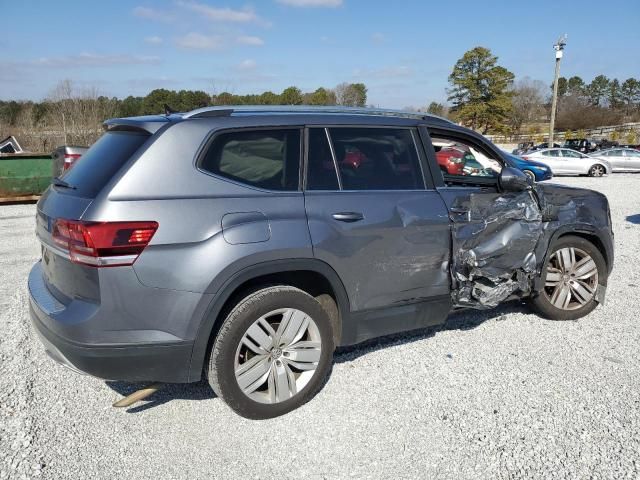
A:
(103, 244)
(69, 160)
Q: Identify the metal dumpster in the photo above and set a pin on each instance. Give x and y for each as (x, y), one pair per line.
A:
(24, 175)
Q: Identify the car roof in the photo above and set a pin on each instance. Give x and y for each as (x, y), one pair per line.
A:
(246, 115)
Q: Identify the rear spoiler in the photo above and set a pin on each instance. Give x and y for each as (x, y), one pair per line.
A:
(150, 123)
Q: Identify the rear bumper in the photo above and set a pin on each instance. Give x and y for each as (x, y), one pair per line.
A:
(135, 361)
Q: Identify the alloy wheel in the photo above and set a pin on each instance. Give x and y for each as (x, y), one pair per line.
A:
(278, 355)
(597, 171)
(572, 278)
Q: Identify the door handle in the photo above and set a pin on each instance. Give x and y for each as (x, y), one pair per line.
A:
(348, 216)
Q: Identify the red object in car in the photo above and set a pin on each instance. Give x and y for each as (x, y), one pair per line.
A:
(451, 160)
(353, 159)
(69, 160)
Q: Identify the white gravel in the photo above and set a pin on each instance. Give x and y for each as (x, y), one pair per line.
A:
(500, 394)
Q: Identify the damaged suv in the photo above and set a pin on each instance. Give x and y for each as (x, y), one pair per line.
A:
(245, 244)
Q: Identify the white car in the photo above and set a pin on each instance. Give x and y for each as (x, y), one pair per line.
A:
(564, 161)
(621, 159)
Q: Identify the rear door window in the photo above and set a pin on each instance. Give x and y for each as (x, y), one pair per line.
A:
(268, 159)
(102, 161)
(376, 158)
(321, 170)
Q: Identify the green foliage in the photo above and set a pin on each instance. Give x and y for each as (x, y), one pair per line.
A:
(563, 86)
(480, 90)
(291, 96)
(598, 90)
(436, 108)
(632, 137)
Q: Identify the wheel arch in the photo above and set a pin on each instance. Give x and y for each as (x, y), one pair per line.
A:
(311, 275)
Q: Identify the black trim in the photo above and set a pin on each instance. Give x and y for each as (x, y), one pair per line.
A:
(140, 362)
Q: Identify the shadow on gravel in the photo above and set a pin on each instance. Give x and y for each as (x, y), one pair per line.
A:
(634, 218)
(460, 320)
(466, 319)
(170, 391)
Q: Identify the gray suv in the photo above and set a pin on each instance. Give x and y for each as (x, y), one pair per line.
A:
(246, 244)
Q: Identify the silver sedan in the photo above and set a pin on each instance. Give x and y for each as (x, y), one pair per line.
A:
(564, 161)
(621, 159)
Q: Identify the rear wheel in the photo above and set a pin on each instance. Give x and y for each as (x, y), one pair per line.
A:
(597, 171)
(572, 273)
(272, 353)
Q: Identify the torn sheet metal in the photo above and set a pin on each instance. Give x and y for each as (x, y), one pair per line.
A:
(494, 243)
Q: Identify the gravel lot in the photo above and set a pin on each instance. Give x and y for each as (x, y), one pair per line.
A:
(497, 394)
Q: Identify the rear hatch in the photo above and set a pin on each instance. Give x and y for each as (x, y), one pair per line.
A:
(63, 205)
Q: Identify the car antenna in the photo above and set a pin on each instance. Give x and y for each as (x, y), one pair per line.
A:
(168, 110)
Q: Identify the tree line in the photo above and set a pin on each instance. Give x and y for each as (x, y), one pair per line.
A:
(71, 115)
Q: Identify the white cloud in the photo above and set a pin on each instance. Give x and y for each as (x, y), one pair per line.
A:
(152, 14)
(199, 41)
(94, 60)
(225, 14)
(250, 40)
(311, 3)
(154, 40)
(246, 65)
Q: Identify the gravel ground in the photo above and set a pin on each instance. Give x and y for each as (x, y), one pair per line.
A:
(498, 394)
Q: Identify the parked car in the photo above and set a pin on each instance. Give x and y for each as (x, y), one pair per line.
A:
(450, 159)
(65, 157)
(604, 144)
(220, 243)
(564, 161)
(536, 171)
(543, 145)
(621, 159)
(522, 147)
(583, 145)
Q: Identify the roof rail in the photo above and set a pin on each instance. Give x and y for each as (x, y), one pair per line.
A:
(226, 111)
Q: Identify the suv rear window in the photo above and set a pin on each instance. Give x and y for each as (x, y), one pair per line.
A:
(268, 159)
(101, 162)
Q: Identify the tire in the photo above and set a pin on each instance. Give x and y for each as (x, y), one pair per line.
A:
(582, 291)
(597, 170)
(531, 175)
(287, 375)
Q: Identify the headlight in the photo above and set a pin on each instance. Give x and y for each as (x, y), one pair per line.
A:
(542, 169)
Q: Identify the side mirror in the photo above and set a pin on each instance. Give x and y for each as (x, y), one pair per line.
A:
(513, 180)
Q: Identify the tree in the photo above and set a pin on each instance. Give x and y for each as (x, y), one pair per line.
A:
(130, 107)
(575, 86)
(480, 90)
(630, 93)
(614, 94)
(155, 101)
(597, 90)
(527, 103)
(291, 96)
(268, 98)
(351, 94)
(322, 96)
(436, 108)
(563, 87)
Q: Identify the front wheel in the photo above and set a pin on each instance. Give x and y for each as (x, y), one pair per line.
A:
(597, 171)
(572, 273)
(272, 353)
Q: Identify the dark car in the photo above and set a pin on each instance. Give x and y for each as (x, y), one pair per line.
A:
(244, 244)
(536, 171)
(65, 157)
(583, 145)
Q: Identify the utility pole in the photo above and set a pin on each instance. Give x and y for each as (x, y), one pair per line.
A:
(559, 48)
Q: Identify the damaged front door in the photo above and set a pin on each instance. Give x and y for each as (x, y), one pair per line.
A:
(494, 233)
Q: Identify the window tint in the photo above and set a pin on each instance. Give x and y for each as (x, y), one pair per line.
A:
(321, 174)
(102, 161)
(632, 153)
(571, 154)
(551, 153)
(461, 162)
(266, 159)
(376, 158)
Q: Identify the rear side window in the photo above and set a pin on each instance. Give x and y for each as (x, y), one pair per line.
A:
(321, 168)
(102, 161)
(376, 158)
(268, 159)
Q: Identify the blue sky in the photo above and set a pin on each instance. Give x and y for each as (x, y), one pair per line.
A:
(403, 50)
